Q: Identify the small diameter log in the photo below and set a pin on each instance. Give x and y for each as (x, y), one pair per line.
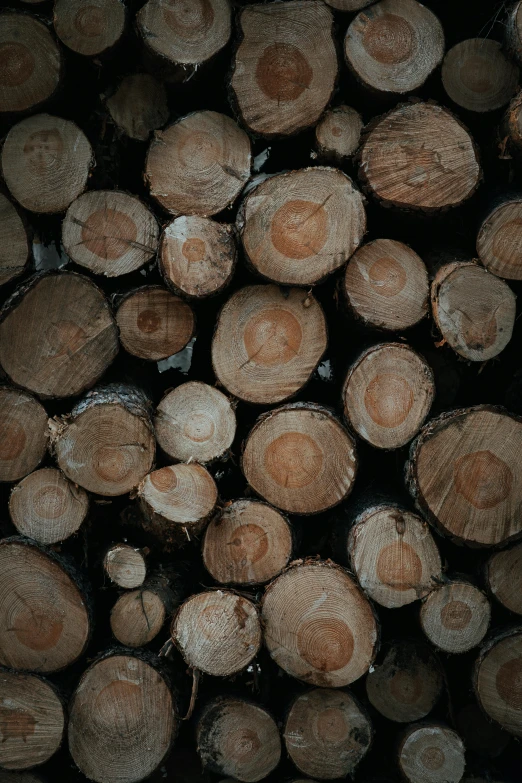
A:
(455, 617)
(474, 310)
(217, 632)
(387, 394)
(154, 323)
(106, 445)
(300, 459)
(499, 241)
(419, 156)
(504, 577)
(327, 733)
(109, 232)
(89, 28)
(511, 127)
(237, 737)
(195, 422)
(338, 134)
(32, 720)
(248, 543)
(268, 342)
(513, 32)
(393, 46)
(47, 507)
(479, 734)
(465, 475)
(285, 67)
(14, 242)
(386, 285)
(139, 615)
(44, 623)
(498, 681)
(198, 165)
(318, 625)
(46, 162)
(123, 720)
(125, 566)
(432, 754)
(394, 555)
(299, 227)
(139, 105)
(23, 434)
(477, 75)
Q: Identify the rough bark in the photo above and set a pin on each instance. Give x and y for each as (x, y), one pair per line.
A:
(23, 433)
(14, 242)
(477, 75)
(498, 680)
(499, 241)
(338, 134)
(431, 753)
(139, 105)
(125, 565)
(455, 616)
(503, 576)
(89, 29)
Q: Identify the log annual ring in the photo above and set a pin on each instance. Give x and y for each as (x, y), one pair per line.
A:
(299, 227)
(418, 156)
(44, 625)
(89, 28)
(46, 162)
(387, 394)
(14, 243)
(394, 556)
(32, 721)
(23, 434)
(122, 720)
(247, 543)
(433, 754)
(109, 232)
(339, 132)
(499, 241)
(198, 165)
(268, 342)
(137, 617)
(455, 617)
(327, 733)
(125, 566)
(139, 105)
(504, 577)
(180, 494)
(47, 507)
(498, 682)
(195, 421)
(217, 632)
(318, 625)
(300, 459)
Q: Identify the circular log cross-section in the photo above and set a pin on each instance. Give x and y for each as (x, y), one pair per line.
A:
(394, 45)
(195, 422)
(498, 681)
(89, 28)
(198, 165)
(504, 577)
(432, 754)
(419, 156)
(318, 625)
(268, 342)
(239, 738)
(301, 226)
(387, 394)
(474, 310)
(338, 134)
(248, 543)
(499, 241)
(154, 323)
(23, 434)
(14, 243)
(327, 733)
(125, 566)
(394, 556)
(465, 474)
(455, 617)
(217, 632)
(109, 232)
(122, 720)
(46, 162)
(300, 459)
(139, 105)
(47, 507)
(44, 624)
(137, 617)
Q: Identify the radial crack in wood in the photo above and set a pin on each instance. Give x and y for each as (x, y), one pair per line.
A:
(137, 617)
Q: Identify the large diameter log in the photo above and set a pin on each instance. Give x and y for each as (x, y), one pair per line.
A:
(432, 754)
(499, 241)
(464, 473)
(46, 162)
(125, 566)
(478, 76)
(23, 434)
(139, 105)
(419, 156)
(503, 576)
(44, 622)
(338, 134)
(498, 680)
(89, 28)
(123, 720)
(300, 226)
(327, 733)
(455, 617)
(318, 625)
(300, 459)
(14, 242)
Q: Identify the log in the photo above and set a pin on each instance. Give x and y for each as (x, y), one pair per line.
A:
(455, 617)
(386, 285)
(125, 566)
(14, 242)
(499, 241)
(474, 310)
(106, 445)
(139, 105)
(387, 394)
(285, 67)
(318, 625)
(327, 733)
(247, 543)
(46, 162)
(346, 5)
(510, 130)
(338, 133)
(199, 164)
(195, 422)
(479, 734)
(431, 753)
(478, 76)
(23, 434)
(299, 458)
(19, 777)
(513, 32)
(237, 737)
(47, 507)
(394, 46)
(300, 226)
(44, 619)
(138, 616)
(89, 29)
(110, 232)
(268, 342)
(498, 680)
(503, 577)
(32, 720)
(419, 157)
(123, 719)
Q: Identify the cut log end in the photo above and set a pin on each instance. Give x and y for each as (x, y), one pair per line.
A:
(137, 617)
(499, 241)
(139, 106)
(338, 134)
(125, 566)
(433, 754)
(23, 434)
(14, 242)
(89, 28)
(498, 681)
(455, 617)
(504, 577)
